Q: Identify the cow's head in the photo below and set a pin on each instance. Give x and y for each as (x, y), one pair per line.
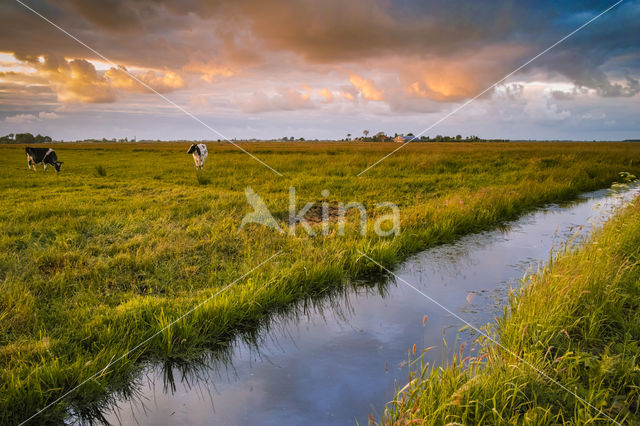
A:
(193, 148)
(57, 165)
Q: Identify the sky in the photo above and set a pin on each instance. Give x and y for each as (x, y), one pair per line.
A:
(319, 69)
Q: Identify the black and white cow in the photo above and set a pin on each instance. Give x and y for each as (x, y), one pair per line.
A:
(200, 153)
(46, 156)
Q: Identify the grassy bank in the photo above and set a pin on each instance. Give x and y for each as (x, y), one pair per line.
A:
(129, 237)
(578, 320)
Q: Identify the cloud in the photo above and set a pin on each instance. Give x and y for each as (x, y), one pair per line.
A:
(533, 102)
(326, 94)
(78, 81)
(460, 76)
(20, 118)
(209, 71)
(628, 89)
(349, 93)
(198, 101)
(561, 95)
(44, 115)
(593, 116)
(586, 72)
(283, 100)
(120, 78)
(22, 78)
(29, 118)
(73, 81)
(366, 87)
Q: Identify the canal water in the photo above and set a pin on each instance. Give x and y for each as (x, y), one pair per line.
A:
(338, 361)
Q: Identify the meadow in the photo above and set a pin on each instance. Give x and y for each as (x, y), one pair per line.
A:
(577, 320)
(128, 237)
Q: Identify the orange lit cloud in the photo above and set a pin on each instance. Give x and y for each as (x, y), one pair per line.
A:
(348, 95)
(326, 94)
(78, 81)
(457, 77)
(366, 88)
(209, 71)
(22, 78)
(75, 80)
(120, 78)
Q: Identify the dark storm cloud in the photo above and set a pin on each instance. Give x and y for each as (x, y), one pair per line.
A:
(608, 47)
(326, 31)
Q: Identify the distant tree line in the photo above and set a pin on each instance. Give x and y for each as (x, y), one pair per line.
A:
(28, 138)
(383, 137)
(24, 138)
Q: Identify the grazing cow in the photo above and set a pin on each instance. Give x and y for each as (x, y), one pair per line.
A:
(46, 156)
(200, 153)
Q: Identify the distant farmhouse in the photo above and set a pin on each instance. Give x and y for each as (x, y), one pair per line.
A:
(405, 138)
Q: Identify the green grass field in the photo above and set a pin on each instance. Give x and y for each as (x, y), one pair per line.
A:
(128, 237)
(577, 320)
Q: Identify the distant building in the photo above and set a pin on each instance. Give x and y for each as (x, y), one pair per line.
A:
(400, 139)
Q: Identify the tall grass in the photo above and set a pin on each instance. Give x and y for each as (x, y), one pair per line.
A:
(100, 170)
(577, 320)
(89, 267)
(202, 178)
